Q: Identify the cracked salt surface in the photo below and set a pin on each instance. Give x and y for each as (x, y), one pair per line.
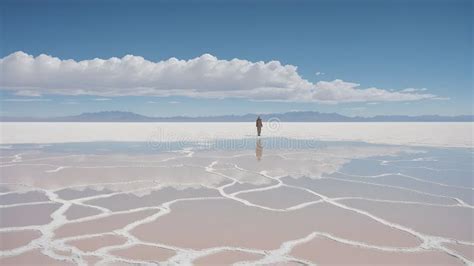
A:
(352, 202)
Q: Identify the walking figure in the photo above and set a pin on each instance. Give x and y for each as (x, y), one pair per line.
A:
(259, 125)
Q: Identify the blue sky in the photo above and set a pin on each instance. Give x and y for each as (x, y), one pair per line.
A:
(389, 45)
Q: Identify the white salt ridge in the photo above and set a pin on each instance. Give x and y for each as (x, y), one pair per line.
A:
(460, 202)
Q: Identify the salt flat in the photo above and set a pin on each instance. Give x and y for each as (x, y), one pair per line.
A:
(409, 133)
(75, 200)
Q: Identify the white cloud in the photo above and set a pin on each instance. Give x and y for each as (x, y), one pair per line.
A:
(28, 93)
(101, 99)
(442, 98)
(26, 100)
(319, 73)
(151, 102)
(204, 76)
(360, 108)
(174, 102)
(414, 89)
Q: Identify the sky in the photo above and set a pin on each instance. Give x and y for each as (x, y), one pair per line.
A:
(201, 58)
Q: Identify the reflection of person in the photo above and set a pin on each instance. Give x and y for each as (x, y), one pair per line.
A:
(259, 149)
(259, 125)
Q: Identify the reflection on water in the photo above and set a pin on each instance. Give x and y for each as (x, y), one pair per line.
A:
(259, 149)
(104, 187)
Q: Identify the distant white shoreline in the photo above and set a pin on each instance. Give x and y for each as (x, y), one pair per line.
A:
(437, 134)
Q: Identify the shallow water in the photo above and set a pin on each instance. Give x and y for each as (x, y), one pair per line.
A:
(245, 201)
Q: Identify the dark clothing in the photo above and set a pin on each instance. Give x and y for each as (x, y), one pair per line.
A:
(259, 125)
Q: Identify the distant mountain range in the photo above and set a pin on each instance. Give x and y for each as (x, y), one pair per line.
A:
(118, 116)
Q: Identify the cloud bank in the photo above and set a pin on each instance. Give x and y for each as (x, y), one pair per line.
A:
(204, 77)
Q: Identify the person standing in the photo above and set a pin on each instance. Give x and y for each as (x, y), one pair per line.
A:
(259, 125)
